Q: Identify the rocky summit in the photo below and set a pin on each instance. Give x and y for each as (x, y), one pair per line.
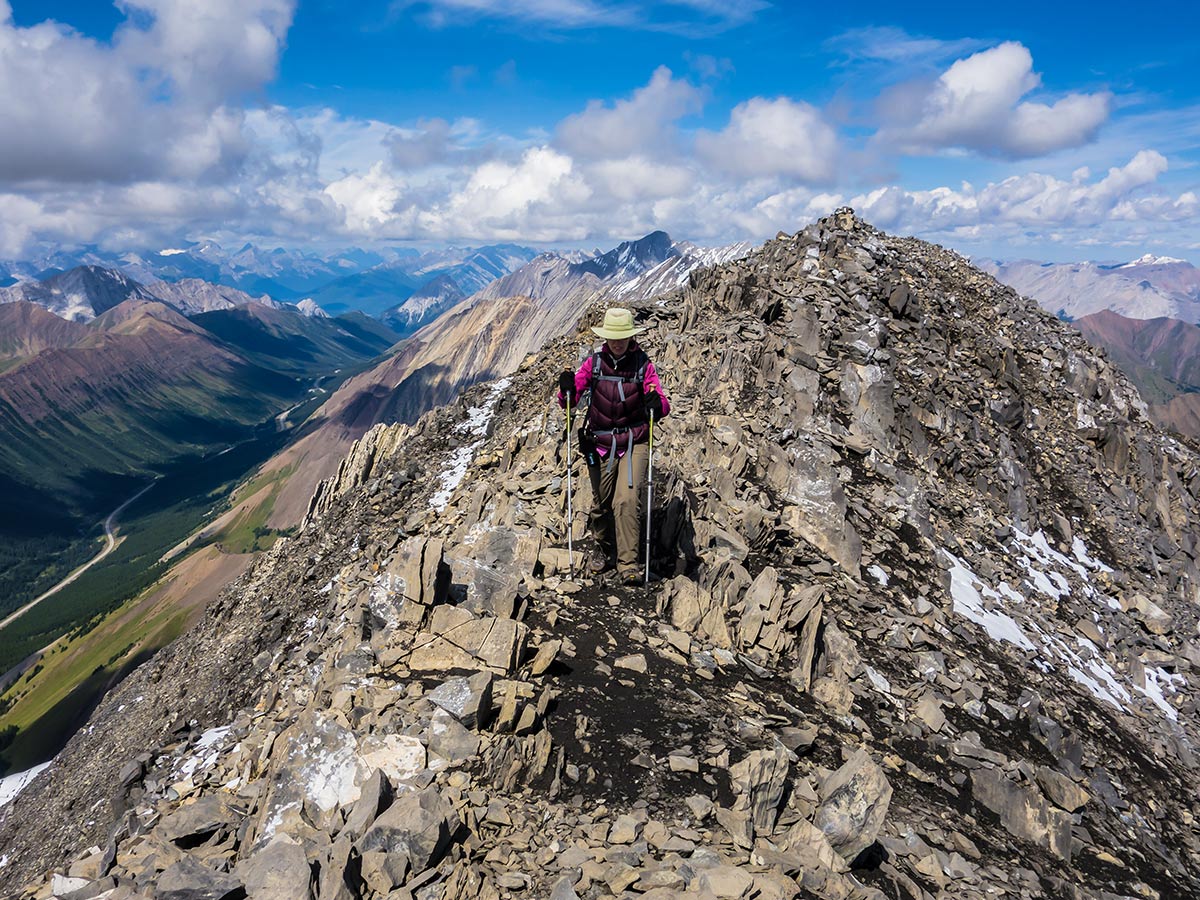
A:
(923, 623)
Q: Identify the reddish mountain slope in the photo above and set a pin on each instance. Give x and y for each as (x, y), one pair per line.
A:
(27, 329)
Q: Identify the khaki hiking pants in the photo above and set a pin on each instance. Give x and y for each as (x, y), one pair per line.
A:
(617, 505)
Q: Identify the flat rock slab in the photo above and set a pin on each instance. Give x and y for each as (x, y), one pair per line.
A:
(467, 699)
(458, 641)
(489, 564)
(190, 879)
(418, 825)
(1024, 812)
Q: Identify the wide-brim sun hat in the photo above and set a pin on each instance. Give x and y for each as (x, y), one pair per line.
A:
(618, 325)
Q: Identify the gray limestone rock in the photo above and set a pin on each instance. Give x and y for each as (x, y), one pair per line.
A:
(376, 795)
(458, 640)
(278, 871)
(467, 699)
(194, 822)
(816, 508)
(760, 779)
(190, 879)
(1024, 812)
(487, 566)
(419, 825)
(854, 804)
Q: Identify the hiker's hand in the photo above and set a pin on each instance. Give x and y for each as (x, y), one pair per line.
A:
(654, 404)
(566, 384)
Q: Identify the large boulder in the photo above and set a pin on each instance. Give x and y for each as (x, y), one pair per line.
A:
(420, 826)
(854, 803)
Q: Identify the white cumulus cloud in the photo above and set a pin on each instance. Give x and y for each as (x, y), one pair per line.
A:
(162, 99)
(977, 104)
(765, 138)
(645, 122)
(1033, 201)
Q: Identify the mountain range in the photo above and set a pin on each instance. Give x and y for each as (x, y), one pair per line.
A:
(355, 279)
(493, 331)
(1149, 287)
(921, 623)
(85, 292)
(482, 336)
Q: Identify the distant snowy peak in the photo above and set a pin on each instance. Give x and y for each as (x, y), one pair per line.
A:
(1150, 259)
(471, 269)
(80, 294)
(674, 271)
(308, 307)
(193, 295)
(87, 292)
(630, 258)
(1146, 288)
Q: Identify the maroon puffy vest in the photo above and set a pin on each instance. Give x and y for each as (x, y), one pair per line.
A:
(617, 407)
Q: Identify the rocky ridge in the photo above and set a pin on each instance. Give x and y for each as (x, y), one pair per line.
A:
(923, 624)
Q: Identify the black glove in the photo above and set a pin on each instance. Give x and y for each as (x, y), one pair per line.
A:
(566, 384)
(654, 406)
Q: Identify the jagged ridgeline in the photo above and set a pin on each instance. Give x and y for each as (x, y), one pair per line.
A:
(924, 624)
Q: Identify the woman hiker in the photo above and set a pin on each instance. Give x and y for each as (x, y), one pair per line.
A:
(625, 392)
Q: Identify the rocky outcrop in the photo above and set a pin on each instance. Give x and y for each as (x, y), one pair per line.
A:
(923, 623)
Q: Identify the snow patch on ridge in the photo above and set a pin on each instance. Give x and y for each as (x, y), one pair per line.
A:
(965, 591)
(1051, 574)
(11, 785)
(476, 424)
(204, 754)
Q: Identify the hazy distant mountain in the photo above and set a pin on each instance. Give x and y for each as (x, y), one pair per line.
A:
(85, 407)
(144, 385)
(193, 295)
(425, 305)
(308, 307)
(1161, 356)
(412, 291)
(371, 292)
(390, 274)
(26, 329)
(283, 339)
(1145, 288)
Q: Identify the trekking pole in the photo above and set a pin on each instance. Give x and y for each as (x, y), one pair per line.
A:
(570, 511)
(649, 494)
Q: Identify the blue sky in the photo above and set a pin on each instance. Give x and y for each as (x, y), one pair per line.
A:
(1010, 130)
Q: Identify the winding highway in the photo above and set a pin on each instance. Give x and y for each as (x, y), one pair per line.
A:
(111, 544)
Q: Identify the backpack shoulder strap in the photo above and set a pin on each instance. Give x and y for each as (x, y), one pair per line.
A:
(642, 364)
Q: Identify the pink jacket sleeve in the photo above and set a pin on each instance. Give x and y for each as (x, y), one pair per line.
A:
(583, 379)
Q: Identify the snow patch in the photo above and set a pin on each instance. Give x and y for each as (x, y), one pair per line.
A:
(204, 754)
(331, 780)
(1080, 551)
(475, 425)
(965, 591)
(1156, 680)
(879, 575)
(11, 785)
(1149, 259)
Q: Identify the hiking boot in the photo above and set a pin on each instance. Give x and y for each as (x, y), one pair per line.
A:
(599, 562)
(630, 576)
